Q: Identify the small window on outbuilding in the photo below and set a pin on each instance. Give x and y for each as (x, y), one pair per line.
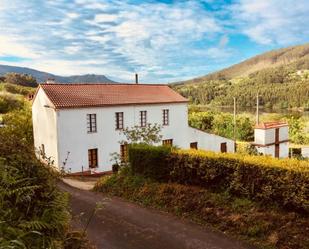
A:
(223, 148)
(193, 145)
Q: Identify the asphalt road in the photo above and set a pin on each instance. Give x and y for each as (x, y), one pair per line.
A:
(124, 225)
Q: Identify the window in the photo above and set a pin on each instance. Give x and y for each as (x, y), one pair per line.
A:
(223, 147)
(167, 142)
(91, 123)
(119, 120)
(193, 145)
(124, 152)
(165, 117)
(93, 158)
(143, 118)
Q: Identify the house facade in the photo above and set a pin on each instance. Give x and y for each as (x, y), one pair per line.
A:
(79, 125)
(272, 138)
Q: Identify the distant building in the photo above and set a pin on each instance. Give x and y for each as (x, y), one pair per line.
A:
(81, 124)
(272, 138)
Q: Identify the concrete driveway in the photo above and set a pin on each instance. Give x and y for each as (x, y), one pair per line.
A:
(124, 225)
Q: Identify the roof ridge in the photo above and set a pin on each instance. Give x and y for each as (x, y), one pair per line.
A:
(103, 83)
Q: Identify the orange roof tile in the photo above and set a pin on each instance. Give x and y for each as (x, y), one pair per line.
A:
(94, 95)
(271, 125)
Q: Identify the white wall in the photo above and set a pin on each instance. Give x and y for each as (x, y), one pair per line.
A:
(270, 150)
(284, 150)
(305, 152)
(44, 126)
(73, 136)
(267, 150)
(207, 141)
(268, 136)
(65, 130)
(259, 136)
(284, 133)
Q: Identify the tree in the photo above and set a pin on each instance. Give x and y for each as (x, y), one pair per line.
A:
(20, 79)
(202, 120)
(150, 134)
(296, 130)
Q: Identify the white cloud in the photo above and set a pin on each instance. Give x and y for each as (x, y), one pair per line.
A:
(12, 46)
(273, 21)
(105, 18)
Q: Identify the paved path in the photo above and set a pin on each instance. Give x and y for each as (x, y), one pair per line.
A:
(124, 225)
(84, 185)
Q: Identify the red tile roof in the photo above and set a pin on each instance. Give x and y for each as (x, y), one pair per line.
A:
(93, 95)
(271, 125)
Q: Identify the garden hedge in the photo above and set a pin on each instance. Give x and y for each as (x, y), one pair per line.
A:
(283, 182)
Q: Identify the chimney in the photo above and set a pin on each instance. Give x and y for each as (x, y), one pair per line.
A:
(50, 81)
(136, 78)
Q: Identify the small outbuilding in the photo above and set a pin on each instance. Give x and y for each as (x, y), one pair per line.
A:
(272, 138)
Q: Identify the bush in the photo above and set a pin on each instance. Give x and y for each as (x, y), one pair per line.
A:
(240, 217)
(10, 102)
(17, 89)
(34, 213)
(284, 182)
(149, 161)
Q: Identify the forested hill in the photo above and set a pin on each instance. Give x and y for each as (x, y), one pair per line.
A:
(280, 76)
(43, 76)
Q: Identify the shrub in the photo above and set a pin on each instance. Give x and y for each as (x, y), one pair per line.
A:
(149, 161)
(243, 218)
(34, 213)
(17, 89)
(10, 102)
(284, 182)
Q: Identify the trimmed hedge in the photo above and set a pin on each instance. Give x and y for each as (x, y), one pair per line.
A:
(150, 161)
(285, 182)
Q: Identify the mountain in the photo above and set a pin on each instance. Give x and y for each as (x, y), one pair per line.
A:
(298, 55)
(274, 75)
(43, 76)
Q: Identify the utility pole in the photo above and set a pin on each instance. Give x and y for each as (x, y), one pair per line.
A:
(234, 124)
(257, 109)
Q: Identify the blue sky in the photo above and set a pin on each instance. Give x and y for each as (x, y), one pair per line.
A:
(164, 41)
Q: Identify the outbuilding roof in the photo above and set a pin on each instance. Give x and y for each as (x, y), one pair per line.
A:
(96, 95)
(271, 125)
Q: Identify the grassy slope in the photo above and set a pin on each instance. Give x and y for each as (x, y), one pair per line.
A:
(272, 74)
(273, 58)
(267, 227)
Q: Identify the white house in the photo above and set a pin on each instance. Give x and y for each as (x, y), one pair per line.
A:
(81, 124)
(272, 138)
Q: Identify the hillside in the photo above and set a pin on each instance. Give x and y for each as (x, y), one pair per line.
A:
(273, 74)
(295, 54)
(43, 76)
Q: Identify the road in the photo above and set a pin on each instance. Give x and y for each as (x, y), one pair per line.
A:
(124, 225)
